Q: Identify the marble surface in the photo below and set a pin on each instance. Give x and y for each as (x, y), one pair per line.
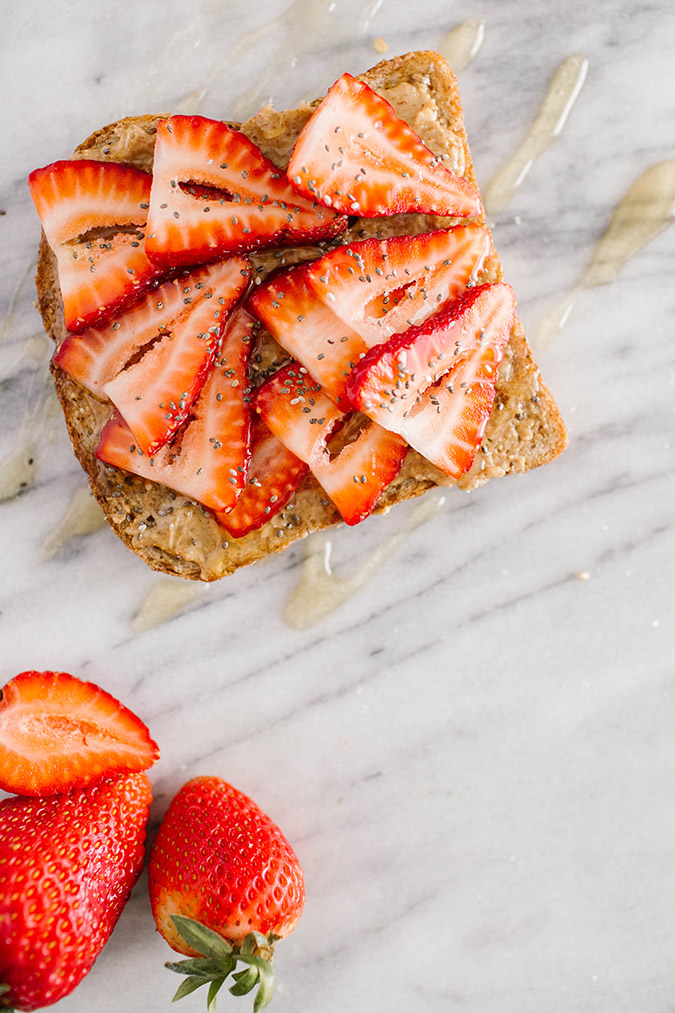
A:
(474, 755)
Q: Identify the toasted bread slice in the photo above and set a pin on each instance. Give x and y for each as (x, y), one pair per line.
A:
(178, 536)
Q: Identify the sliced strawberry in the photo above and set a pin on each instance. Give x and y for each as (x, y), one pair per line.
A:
(297, 411)
(274, 475)
(156, 393)
(435, 384)
(306, 328)
(214, 192)
(357, 156)
(209, 458)
(93, 215)
(58, 733)
(99, 354)
(380, 287)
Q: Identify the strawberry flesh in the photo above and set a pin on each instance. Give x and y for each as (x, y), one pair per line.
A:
(99, 354)
(357, 156)
(58, 733)
(209, 456)
(155, 394)
(308, 330)
(274, 476)
(434, 385)
(214, 192)
(304, 418)
(93, 215)
(68, 864)
(380, 287)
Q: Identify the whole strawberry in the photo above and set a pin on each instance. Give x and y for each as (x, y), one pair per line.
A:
(67, 866)
(225, 885)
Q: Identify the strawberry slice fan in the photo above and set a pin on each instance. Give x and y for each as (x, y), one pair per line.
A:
(153, 361)
(327, 314)
(435, 384)
(330, 313)
(93, 215)
(357, 156)
(214, 192)
(353, 472)
(208, 459)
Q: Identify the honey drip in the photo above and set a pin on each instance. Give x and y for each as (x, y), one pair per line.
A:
(460, 46)
(645, 210)
(165, 599)
(320, 591)
(550, 120)
(83, 516)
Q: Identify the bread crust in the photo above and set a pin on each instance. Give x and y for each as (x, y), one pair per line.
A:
(173, 534)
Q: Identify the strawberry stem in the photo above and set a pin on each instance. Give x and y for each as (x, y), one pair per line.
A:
(219, 960)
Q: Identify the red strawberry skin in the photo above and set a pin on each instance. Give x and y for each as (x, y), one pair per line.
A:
(214, 192)
(435, 384)
(67, 866)
(99, 276)
(220, 860)
(58, 733)
(274, 475)
(309, 330)
(155, 395)
(209, 457)
(357, 156)
(298, 412)
(380, 287)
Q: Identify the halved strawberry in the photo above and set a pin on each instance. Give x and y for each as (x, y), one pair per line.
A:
(297, 411)
(435, 384)
(357, 156)
(209, 458)
(380, 287)
(99, 354)
(179, 343)
(93, 215)
(274, 475)
(58, 733)
(214, 192)
(306, 328)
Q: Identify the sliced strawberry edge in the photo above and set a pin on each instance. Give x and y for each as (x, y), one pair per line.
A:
(81, 750)
(274, 476)
(413, 399)
(305, 419)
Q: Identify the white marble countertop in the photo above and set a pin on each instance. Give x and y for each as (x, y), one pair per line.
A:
(474, 755)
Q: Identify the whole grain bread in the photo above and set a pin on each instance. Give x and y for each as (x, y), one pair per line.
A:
(177, 536)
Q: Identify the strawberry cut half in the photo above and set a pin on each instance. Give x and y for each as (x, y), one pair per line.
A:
(357, 156)
(274, 476)
(214, 192)
(309, 330)
(178, 341)
(208, 459)
(434, 385)
(58, 733)
(380, 287)
(93, 215)
(296, 410)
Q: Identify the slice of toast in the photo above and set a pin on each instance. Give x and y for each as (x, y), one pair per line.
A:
(178, 536)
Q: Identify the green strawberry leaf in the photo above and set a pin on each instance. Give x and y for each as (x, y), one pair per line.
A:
(265, 992)
(187, 986)
(200, 938)
(198, 965)
(214, 988)
(245, 981)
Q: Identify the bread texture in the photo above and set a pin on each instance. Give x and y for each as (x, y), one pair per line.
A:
(176, 535)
